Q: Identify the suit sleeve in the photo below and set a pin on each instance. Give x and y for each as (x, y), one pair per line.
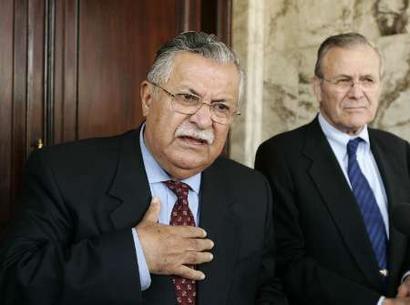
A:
(305, 280)
(406, 266)
(41, 264)
(271, 290)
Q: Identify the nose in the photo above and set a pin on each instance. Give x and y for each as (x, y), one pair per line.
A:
(355, 91)
(202, 118)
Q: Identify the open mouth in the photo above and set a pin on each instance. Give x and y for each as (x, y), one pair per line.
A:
(193, 140)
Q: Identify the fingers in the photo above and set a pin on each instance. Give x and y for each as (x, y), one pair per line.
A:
(185, 238)
(196, 258)
(152, 214)
(189, 273)
(168, 249)
(195, 244)
(189, 231)
(193, 258)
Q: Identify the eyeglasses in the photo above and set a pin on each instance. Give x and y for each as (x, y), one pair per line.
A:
(346, 83)
(187, 103)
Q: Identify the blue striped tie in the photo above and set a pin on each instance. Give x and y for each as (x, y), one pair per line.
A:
(367, 204)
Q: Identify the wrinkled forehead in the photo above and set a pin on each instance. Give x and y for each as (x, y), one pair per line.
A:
(201, 73)
(358, 59)
(186, 60)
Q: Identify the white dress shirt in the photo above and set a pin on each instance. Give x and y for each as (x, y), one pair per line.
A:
(156, 175)
(338, 142)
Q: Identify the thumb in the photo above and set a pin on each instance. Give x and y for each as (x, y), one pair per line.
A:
(152, 214)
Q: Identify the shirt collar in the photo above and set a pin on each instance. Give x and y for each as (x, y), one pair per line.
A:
(156, 174)
(338, 140)
(338, 137)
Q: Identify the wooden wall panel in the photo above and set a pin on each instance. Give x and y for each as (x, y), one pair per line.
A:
(189, 15)
(103, 50)
(6, 99)
(65, 115)
(36, 76)
(221, 25)
(116, 44)
(19, 105)
(21, 91)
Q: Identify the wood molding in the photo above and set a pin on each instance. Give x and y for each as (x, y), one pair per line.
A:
(189, 15)
(66, 52)
(19, 99)
(7, 21)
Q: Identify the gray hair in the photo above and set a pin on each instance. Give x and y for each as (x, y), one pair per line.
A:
(206, 45)
(345, 40)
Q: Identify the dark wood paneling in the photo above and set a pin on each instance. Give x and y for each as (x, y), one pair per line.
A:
(221, 25)
(116, 44)
(66, 71)
(19, 123)
(6, 98)
(223, 20)
(22, 92)
(189, 15)
(35, 73)
(109, 56)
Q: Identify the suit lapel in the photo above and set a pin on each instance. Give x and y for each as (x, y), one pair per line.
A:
(130, 184)
(387, 164)
(331, 184)
(218, 219)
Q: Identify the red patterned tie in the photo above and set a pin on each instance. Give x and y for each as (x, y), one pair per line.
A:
(181, 215)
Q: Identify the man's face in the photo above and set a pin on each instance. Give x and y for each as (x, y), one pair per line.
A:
(184, 156)
(349, 108)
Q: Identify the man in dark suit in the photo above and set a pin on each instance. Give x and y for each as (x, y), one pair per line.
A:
(153, 216)
(335, 183)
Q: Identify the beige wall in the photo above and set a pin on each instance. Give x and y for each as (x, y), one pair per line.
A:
(277, 42)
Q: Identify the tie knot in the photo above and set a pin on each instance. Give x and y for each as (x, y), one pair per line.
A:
(352, 146)
(180, 189)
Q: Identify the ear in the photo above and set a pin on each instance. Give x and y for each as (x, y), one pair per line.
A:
(146, 97)
(317, 90)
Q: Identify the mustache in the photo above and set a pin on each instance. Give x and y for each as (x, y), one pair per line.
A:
(206, 135)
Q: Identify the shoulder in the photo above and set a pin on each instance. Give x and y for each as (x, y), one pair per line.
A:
(80, 156)
(286, 136)
(238, 177)
(231, 167)
(389, 145)
(286, 145)
(85, 146)
(289, 139)
(243, 185)
(386, 138)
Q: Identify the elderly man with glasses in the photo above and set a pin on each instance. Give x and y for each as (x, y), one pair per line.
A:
(335, 183)
(155, 216)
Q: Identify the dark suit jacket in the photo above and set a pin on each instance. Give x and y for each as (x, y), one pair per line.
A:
(72, 242)
(324, 254)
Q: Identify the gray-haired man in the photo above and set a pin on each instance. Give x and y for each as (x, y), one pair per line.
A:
(153, 216)
(335, 184)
